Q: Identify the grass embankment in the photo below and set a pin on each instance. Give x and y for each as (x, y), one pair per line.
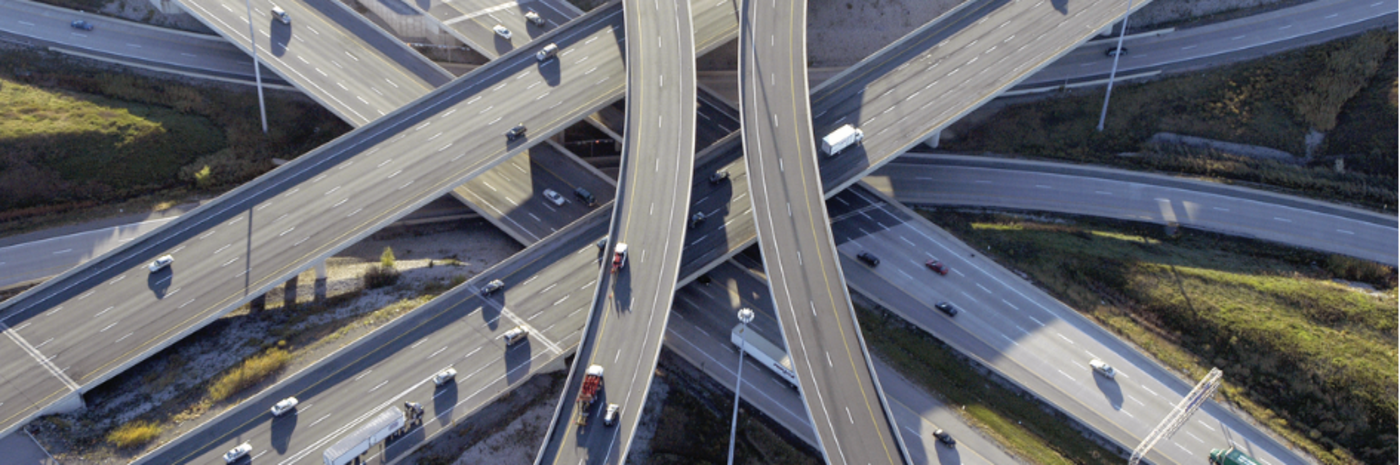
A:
(1345, 89)
(76, 139)
(136, 433)
(1019, 424)
(249, 373)
(1313, 359)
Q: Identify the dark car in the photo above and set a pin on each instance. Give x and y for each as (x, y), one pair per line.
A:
(869, 258)
(719, 176)
(696, 219)
(80, 24)
(945, 438)
(585, 196)
(1115, 51)
(516, 132)
(946, 307)
(937, 266)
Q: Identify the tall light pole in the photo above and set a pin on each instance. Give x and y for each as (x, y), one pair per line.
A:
(257, 68)
(745, 316)
(1118, 52)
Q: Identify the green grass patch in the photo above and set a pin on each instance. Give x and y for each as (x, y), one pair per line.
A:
(77, 137)
(1312, 358)
(1345, 88)
(1017, 423)
(134, 434)
(247, 374)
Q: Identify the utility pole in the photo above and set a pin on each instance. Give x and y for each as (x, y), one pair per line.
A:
(745, 316)
(257, 67)
(1118, 53)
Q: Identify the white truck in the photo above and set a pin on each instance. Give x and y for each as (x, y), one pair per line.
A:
(842, 137)
(768, 354)
(388, 424)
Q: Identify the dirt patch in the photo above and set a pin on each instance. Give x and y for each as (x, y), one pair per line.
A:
(843, 32)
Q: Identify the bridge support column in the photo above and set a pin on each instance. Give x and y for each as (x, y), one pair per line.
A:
(933, 140)
(321, 281)
(289, 293)
(258, 304)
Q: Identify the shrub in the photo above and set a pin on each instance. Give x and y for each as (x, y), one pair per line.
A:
(377, 276)
(386, 259)
(133, 434)
(250, 372)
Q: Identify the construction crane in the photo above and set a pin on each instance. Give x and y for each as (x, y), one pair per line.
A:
(1179, 414)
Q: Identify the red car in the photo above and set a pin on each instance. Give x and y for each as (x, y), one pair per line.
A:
(937, 266)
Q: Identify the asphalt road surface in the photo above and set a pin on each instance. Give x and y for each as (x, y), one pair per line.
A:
(633, 301)
(473, 21)
(515, 195)
(828, 350)
(331, 53)
(1083, 190)
(255, 237)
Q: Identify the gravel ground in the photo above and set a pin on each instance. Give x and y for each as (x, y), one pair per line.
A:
(843, 32)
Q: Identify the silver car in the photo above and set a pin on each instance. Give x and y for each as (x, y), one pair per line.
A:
(161, 262)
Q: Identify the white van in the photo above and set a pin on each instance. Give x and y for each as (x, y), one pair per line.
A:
(547, 52)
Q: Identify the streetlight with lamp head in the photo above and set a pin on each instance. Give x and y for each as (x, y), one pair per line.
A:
(745, 316)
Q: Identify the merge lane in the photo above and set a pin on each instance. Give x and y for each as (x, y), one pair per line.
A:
(840, 388)
(633, 301)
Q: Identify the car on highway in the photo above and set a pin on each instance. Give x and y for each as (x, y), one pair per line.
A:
(516, 132)
(444, 376)
(501, 31)
(719, 176)
(602, 244)
(1115, 51)
(610, 415)
(585, 196)
(547, 52)
(492, 287)
(937, 267)
(554, 197)
(517, 334)
(619, 257)
(237, 452)
(80, 24)
(281, 15)
(284, 406)
(534, 18)
(945, 438)
(160, 263)
(1102, 368)
(869, 258)
(696, 219)
(947, 308)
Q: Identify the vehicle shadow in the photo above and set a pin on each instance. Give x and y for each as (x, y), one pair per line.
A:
(444, 400)
(551, 69)
(947, 455)
(159, 282)
(282, 428)
(1111, 390)
(517, 360)
(280, 34)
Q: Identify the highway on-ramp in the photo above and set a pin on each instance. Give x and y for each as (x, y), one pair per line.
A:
(840, 388)
(628, 321)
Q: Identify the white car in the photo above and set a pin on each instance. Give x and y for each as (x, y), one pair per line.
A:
(284, 406)
(502, 31)
(237, 453)
(161, 262)
(546, 53)
(534, 18)
(610, 415)
(519, 333)
(554, 197)
(444, 376)
(281, 15)
(1102, 368)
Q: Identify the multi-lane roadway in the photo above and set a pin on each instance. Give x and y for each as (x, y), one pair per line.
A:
(840, 387)
(635, 286)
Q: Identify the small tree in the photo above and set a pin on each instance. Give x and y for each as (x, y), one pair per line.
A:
(202, 178)
(386, 260)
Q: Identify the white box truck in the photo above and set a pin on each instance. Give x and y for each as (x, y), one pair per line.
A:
(387, 424)
(842, 137)
(768, 354)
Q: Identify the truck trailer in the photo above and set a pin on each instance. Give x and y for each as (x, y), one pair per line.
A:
(842, 137)
(389, 424)
(767, 353)
(592, 383)
(1231, 456)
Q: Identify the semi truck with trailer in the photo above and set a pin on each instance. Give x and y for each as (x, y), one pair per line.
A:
(1231, 456)
(842, 137)
(592, 383)
(385, 426)
(766, 353)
